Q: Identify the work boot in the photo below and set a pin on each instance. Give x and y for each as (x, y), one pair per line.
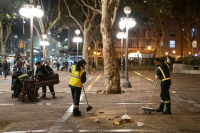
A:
(43, 96)
(54, 96)
(159, 110)
(161, 107)
(76, 114)
(166, 112)
(79, 112)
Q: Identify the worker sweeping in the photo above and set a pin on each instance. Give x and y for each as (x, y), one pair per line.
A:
(163, 74)
(78, 78)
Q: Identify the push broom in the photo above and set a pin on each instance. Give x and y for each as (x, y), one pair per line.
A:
(148, 109)
(89, 107)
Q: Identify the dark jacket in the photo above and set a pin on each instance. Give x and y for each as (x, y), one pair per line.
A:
(45, 70)
(5, 66)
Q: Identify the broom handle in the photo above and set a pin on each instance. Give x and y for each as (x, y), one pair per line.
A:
(85, 96)
(152, 93)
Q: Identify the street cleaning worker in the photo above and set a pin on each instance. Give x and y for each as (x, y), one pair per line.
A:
(19, 81)
(94, 66)
(78, 78)
(45, 70)
(163, 74)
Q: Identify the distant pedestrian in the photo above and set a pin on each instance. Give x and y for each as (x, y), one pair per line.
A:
(58, 65)
(0, 68)
(19, 65)
(28, 66)
(93, 66)
(5, 69)
(66, 65)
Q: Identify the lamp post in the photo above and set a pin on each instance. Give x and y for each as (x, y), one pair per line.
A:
(127, 22)
(138, 53)
(77, 39)
(29, 11)
(149, 47)
(121, 35)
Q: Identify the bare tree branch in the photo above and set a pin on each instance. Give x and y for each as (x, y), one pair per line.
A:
(92, 8)
(115, 11)
(70, 15)
(38, 32)
(8, 30)
(57, 19)
(87, 15)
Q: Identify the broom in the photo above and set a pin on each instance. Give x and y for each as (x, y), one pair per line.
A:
(148, 108)
(89, 107)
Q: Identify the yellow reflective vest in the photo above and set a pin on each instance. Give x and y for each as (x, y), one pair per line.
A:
(75, 79)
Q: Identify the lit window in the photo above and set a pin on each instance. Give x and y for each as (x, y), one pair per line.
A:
(194, 44)
(172, 44)
(162, 43)
(194, 31)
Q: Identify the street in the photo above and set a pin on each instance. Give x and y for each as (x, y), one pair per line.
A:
(55, 115)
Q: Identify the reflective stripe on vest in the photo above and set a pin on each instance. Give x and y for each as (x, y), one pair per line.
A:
(20, 77)
(46, 68)
(167, 64)
(75, 79)
(163, 74)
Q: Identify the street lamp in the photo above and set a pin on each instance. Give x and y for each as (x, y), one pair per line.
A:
(121, 35)
(174, 52)
(77, 39)
(149, 47)
(127, 22)
(29, 11)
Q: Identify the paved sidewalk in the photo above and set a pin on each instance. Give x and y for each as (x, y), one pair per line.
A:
(56, 115)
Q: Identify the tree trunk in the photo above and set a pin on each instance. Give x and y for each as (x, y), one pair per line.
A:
(111, 70)
(158, 50)
(45, 54)
(86, 41)
(3, 51)
(96, 45)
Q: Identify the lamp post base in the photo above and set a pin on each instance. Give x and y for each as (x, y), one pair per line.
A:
(126, 84)
(122, 76)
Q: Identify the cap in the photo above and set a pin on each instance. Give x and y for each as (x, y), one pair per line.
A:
(30, 71)
(38, 63)
(82, 61)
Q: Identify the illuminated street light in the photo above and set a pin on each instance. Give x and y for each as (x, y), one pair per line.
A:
(174, 52)
(95, 52)
(149, 48)
(44, 36)
(127, 22)
(77, 39)
(66, 39)
(166, 53)
(29, 11)
(121, 35)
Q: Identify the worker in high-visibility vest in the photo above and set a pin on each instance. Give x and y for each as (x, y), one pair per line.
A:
(163, 74)
(77, 79)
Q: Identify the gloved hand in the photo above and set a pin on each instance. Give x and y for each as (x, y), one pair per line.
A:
(156, 77)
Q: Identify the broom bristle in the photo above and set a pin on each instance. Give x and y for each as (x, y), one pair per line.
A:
(89, 108)
(148, 109)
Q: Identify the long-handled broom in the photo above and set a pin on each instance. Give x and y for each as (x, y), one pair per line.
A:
(89, 107)
(148, 109)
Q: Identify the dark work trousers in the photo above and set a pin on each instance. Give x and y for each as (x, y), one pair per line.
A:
(165, 97)
(76, 92)
(51, 88)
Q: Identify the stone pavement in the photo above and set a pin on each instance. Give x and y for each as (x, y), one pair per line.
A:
(55, 115)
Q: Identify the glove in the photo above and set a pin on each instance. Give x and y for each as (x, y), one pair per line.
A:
(156, 77)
